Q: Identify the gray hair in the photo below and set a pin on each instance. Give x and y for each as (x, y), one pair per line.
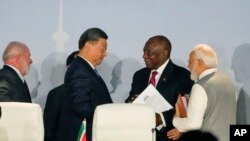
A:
(206, 54)
(14, 49)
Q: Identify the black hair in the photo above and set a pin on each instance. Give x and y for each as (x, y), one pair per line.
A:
(91, 34)
(161, 40)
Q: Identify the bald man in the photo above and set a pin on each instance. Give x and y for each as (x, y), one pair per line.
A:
(17, 61)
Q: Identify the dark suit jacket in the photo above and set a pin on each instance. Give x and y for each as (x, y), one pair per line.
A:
(85, 90)
(12, 87)
(52, 112)
(174, 80)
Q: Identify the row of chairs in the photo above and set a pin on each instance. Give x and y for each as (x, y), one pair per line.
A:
(112, 122)
(21, 122)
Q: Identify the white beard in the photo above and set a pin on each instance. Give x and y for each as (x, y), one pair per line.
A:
(194, 76)
(26, 68)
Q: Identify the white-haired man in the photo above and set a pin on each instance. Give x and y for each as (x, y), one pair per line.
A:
(17, 62)
(212, 105)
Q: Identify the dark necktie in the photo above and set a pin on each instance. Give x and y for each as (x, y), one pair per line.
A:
(152, 80)
(27, 90)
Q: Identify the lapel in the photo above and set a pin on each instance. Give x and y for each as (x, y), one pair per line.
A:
(92, 72)
(166, 76)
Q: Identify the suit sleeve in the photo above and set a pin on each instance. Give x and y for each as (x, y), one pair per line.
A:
(79, 88)
(5, 91)
(51, 115)
(132, 91)
(135, 88)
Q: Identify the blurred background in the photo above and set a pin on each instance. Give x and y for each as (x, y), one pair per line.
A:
(51, 29)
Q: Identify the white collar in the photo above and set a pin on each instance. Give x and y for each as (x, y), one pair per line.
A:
(206, 72)
(162, 67)
(17, 71)
(87, 62)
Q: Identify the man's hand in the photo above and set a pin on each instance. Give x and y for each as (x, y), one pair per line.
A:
(158, 119)
(132, 98)
(173, 134)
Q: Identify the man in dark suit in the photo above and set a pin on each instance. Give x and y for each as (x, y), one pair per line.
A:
(170, 80)
(85, 87)
(17, 62)
(52, 110)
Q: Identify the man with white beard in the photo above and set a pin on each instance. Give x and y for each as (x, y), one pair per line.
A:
(212, 105)
(17, 61)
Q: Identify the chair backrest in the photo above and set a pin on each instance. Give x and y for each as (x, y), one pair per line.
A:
(123, 122)
(21, 122)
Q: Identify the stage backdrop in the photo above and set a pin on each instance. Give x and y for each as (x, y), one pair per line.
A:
(51, 29)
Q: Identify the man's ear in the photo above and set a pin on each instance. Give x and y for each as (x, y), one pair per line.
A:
(88, 45)
(18, 58)
(165, 53)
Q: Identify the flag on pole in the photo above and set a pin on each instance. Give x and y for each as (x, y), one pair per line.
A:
(82, 132)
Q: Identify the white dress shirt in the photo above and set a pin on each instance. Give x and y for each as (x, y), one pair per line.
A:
(196, 107)
(160, 71)
(157, 78)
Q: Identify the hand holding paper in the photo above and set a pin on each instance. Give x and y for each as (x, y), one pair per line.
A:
(151, 96)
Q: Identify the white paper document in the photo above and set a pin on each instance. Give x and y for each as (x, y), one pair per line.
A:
(151, 96)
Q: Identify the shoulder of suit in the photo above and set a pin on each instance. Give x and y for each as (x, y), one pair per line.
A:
(8, 75)
(143, 70)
